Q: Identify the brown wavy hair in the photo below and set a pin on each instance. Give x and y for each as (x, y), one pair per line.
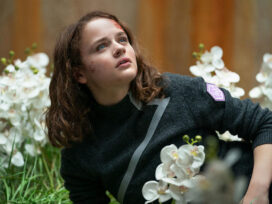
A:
(67, 118)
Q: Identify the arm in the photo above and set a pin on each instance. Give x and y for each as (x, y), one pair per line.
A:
(83, 187)
(261, 176)
(244, 118)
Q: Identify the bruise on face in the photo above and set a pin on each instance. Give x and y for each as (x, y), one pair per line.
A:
(91, 67)
(117, 25)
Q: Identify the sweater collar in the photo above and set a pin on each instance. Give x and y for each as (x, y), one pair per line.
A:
(122, 108)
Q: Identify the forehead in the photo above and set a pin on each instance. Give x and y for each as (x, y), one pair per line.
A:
(100, 27)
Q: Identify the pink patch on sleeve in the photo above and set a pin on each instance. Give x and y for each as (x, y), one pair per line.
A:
(215, 92)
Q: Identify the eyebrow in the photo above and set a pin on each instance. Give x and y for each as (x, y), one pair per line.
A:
(105, 38)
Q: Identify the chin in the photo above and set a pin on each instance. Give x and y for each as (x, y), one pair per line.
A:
(133, 73)
(129, 76)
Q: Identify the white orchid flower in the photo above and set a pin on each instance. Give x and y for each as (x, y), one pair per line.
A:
(227, 136)
(3, 139)
(17, 159)
(191, 155)
(179, 164)
(226, 79)
(30, 149)
(261, 77)
(267, 59)
(171, 174)
(10, 68)
(264, 77)
(182, 166)
(24, 95)
(7, 147)
(197, 70)
(235, 92)
(218, 63)
(182, 193)
(268, 93)
(256, 92)
(201, 70)
(212, 69)
(214, 57)
(14, 117)
(169, 154)
(4, 106)
(153, 190)
(217, 52)
(38, 61)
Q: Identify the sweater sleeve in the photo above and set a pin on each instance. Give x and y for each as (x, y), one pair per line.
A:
(223, 112)
(83, 187)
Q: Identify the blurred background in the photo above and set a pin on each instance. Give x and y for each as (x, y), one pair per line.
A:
(168, 31)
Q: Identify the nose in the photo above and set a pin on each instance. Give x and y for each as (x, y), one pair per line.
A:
(119, 50)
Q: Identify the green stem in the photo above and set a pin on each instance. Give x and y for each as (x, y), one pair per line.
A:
(47, 171)
(173, 202)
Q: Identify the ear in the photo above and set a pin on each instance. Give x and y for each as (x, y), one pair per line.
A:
(80, 76)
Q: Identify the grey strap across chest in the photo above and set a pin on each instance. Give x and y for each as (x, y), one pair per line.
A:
(162, 104)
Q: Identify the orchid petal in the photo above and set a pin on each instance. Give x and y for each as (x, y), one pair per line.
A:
(261, 77)
(168, 153)
(149, 190)
(237, 92)
(267, 59)
(17, 159)
(218, 63)
(268, 93)
(159, 174)
(217, 52)
(256, 92)
(196, 70)
(206, 57)
(3, 139)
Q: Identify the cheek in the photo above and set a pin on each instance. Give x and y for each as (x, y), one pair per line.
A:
(104, 62)
(132, 53)
(90, 67)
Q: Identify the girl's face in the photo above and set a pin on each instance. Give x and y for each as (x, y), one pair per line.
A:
(108, 59)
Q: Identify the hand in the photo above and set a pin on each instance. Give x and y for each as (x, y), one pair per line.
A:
(257, 192)
(256, 195)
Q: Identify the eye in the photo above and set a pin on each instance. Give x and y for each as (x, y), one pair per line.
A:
(123, 39)
(100, 47)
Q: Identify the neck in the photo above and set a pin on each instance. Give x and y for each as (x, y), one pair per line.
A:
(110, 97)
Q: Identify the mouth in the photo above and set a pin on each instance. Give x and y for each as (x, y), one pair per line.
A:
(123, 62)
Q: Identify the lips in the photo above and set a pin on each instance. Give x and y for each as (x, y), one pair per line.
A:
(123, 61)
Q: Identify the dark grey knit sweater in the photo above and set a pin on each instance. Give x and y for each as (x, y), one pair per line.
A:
(129, 138)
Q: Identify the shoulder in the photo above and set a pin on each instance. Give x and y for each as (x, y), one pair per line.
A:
(176, 83)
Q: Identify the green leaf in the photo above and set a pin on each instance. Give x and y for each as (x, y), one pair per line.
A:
(112, 198)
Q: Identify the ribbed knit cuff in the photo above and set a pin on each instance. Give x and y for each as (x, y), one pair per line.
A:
(265, 138)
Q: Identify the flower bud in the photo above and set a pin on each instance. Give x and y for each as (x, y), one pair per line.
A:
(35, 71)
(195, 55)
(34, 46)
(11, 53)
(198, 138)
(186, 138)
(201, 46)
(4, 61)
(27, 51)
